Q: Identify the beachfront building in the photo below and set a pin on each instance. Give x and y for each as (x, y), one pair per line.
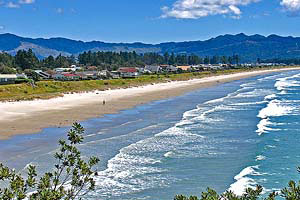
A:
(22, 76)
(66, 77)
(58, 77)
(128, 72)
(73, 68)
(72, 77)
(43, 75)
(197, 68)
(154, 69)
(171, 69)
(114, 74)
(104, 74)
(90, 75)
(184, 68)
(8, 78)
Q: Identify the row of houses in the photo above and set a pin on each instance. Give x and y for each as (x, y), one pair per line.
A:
(186, 68)
(126, 72)
(70, 75)
(74, 73)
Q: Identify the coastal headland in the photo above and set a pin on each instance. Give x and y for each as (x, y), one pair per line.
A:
(26, 117)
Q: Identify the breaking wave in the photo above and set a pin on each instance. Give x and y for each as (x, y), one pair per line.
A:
(275, 108)
(243, 181)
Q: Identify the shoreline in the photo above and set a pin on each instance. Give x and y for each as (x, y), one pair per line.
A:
(29, 117)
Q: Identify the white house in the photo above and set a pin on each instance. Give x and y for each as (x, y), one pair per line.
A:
(129, 72)
(8, 78)
(153, 69)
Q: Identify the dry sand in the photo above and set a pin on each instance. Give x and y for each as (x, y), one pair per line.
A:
(32, 116)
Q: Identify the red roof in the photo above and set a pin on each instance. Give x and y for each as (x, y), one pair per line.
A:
(127, 69)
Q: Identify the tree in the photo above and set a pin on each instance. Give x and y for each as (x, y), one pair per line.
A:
(6, 70)
(72, 176)
(258, 60)
(206, 60)
(32, 74)
(49, 62)
(292, 192)
(224, 60)
(26, 59)
(236, 59)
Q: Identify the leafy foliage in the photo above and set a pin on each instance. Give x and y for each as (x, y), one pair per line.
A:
(292, 192)
(125, 59)
(72, 176)
(25, 60)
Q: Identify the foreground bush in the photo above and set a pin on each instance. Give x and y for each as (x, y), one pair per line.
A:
(292, 192)
(72, 176)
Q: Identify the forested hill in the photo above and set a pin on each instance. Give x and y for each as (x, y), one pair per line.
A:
(249, 48)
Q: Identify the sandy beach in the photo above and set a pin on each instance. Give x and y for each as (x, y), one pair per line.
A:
(27, 117)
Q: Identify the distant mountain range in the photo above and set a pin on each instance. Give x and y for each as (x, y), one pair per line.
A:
(248, 47)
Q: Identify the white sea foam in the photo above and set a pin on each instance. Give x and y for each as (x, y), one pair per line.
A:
(274, 109)
(269, 77)
(285, 83)
(245, 86)
(216, 100)
(283, 92)
(249, 85)
(136, 167)
(253, 93)
(243, 182)
(262, 126)
(248, 103)
(168, 154)
(270, 147)
(260, 157)
(128, 172)
(271, 96)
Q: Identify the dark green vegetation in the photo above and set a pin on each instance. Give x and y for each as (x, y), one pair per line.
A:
(71, 178)
(292, 192)
(248, 47)
(125, 59)
(27, 60)
(288, 61)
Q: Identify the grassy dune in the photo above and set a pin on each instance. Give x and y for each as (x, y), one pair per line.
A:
(50, 89)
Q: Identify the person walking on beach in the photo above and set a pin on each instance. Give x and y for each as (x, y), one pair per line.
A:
(103, 102)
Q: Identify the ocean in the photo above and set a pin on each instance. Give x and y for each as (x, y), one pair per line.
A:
(231, 136)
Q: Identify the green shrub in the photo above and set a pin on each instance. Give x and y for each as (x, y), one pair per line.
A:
(70, 170)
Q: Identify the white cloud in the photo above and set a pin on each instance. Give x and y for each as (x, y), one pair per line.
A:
(12, 5)
(291, 5)
(194, 9)
(26, 1)
(60, 10)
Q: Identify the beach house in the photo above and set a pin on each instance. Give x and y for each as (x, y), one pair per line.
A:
(7, 78)
(42, 75)
(128, 72)
(184, 68)
(171, 69)
(155, 69)
(66, 77)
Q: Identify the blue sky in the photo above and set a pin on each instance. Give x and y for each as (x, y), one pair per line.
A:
(150, 21)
